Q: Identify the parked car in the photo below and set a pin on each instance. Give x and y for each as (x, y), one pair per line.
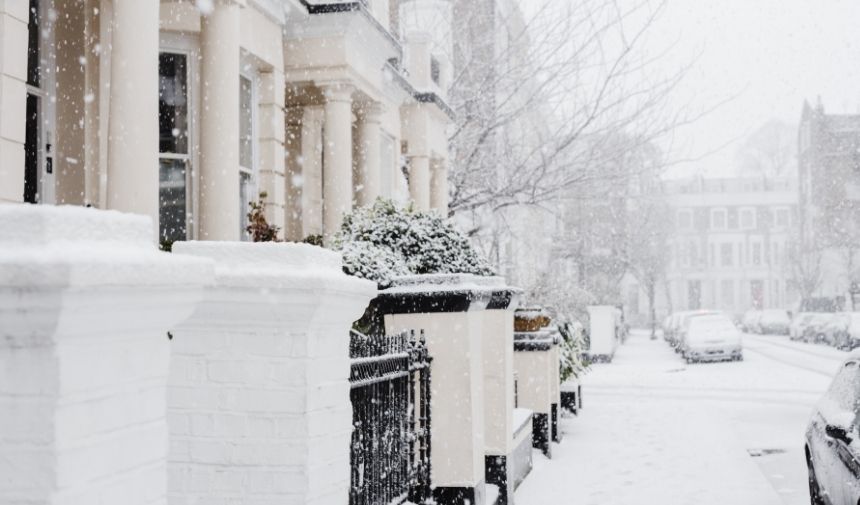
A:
(712, 337)
(684, 322)
(832, 436)
(815, 330)
(843, 330)
(773, 322)
(665, 326)
(750, 321)
(798, 325)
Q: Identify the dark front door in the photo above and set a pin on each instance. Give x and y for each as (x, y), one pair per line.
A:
(31, 151)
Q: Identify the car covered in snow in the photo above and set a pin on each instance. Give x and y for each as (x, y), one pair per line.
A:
(798, 325)
(682, 323)
(833, 440)
(843, 330)
(817, 328)
(711, 337)
(773, 322)
(749, 323)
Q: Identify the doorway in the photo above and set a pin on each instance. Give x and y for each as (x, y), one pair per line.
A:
(38, 157)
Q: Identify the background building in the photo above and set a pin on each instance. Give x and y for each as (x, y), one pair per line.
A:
(829, 199)
(728, 249)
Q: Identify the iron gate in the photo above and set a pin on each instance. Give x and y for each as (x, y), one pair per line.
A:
(390, 393)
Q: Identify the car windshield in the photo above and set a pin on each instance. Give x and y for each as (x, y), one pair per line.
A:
(711, 326)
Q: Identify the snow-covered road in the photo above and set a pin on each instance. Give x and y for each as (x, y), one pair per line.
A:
(655, 430)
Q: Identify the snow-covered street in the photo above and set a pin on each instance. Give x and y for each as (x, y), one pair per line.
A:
(656, 430)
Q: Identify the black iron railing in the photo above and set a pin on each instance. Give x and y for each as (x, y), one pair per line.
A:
(390, 450)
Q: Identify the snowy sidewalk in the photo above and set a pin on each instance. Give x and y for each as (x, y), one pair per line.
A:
(631, 445)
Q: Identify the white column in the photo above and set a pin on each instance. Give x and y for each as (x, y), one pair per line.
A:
(294, 182)
(84, 354)
(419, 181)
(219, 123)
(337, 156)
(439, 186)
(13, 99)
(311, 174)
(369, 161)
(272, 145)
(132, 184)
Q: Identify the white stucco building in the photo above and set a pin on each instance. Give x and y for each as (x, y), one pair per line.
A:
(185, 111)
(728, 248)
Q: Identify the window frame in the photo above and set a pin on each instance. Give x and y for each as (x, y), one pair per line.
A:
(725, 214)
(776, 212)
(754, 218)
(188, 46)
(253, 172)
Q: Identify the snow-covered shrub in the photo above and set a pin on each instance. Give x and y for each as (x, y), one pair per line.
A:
(370, 261)
(571, 361)
(384, 240)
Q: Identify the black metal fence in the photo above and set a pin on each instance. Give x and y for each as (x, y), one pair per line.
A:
(390, 450)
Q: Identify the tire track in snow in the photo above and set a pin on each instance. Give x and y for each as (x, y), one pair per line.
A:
(831, 366)
(837, 358)
(799, 398)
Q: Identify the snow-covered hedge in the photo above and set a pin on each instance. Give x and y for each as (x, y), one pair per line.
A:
(571, 362)
(385, 240)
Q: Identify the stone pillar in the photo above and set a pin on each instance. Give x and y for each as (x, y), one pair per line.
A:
(369, 155)
(439, 186)
(132, 184)
(219, 217)
(533, 363)
(449, 308)
(294, 183)
(271, 146)
(337, 156)
(312, 170)
(258, 397)
(497, 340)
(555, 384)
(86, 301)
(13, 99)
(419, 181)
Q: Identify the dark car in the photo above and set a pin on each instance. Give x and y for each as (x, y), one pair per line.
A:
(833, 440)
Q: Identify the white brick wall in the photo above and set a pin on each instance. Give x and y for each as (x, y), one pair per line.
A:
(85, 304)
(258, 399)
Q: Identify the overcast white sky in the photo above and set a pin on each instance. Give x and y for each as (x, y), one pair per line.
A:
(774, 53)
(771, 53)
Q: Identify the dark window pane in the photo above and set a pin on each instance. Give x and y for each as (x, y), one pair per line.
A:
(173, 103)
(172, 200)
(246, 125)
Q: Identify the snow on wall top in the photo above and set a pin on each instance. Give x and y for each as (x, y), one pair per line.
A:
(280, 265)
(46, 245)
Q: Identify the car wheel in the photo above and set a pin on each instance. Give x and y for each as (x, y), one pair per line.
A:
(814, 489)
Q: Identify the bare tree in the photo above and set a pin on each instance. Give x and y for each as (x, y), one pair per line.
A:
(650, 229)
(541, 98)
(804, 259)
